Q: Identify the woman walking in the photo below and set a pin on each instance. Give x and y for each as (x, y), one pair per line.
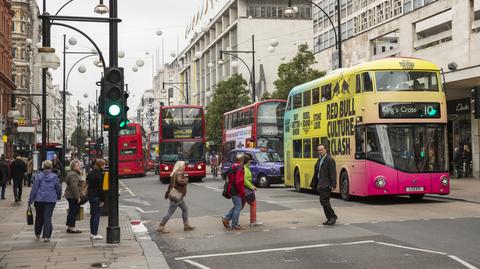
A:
(236, 190)
(72, 193)
(45, 193)
(176, 193)
(95, 197)
(250, 192)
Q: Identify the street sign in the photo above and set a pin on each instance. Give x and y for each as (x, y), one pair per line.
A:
(5, 138)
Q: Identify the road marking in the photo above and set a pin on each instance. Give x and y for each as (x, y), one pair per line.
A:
(261, 251)
(286, 202)
(357, 243)
(126, 188)
(417, 249)
(140, 209)
(208, 187)
(466, 264)
(196, 264)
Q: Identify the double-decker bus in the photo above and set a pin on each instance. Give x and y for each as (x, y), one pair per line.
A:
(384, 123)
(132, 151)
(152, 150)
(257, 125)
(182, 138)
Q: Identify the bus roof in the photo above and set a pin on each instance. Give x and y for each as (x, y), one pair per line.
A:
(256, 103)
(181, 106)
(391, 63)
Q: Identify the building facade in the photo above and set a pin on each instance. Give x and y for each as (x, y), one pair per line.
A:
(241, 25)
(7, 86)
(445, 32)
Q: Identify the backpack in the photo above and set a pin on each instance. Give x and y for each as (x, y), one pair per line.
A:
(226, 177)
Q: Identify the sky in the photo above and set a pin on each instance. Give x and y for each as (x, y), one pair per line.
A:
(137, 38)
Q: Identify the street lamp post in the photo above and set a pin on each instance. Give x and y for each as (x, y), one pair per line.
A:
(173, 84)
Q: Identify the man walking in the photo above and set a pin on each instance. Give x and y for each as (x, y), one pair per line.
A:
(4, 175)
(325, 180)
(18, 169)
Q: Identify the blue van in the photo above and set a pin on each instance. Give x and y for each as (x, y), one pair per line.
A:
(267, 167)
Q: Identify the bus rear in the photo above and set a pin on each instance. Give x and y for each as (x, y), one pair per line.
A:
(182, 138)
(131, 147)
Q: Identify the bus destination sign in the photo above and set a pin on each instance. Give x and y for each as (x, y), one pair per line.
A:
(409, 110)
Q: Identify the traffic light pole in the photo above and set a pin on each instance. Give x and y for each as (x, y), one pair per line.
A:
(113, 229)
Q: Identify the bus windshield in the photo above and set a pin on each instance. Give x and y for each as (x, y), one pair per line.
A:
(171, 152)
(408, 148)
(178, 123)
(130, 130)
(271, 112)
(263, 157)
(406, 81)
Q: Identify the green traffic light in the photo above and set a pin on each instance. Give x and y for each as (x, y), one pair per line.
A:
(114, 110)
(124, 123)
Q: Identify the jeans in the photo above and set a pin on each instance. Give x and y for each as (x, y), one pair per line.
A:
(95, 211)
(73, 208)
(43, 219)
(17, 188)
(325, 202)
(4, 187)
(234, 213)
(171, 209)
(27, 180)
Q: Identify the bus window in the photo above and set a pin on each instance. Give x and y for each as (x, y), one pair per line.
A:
(358, 84)
(225, 122)
(307, 148)
(367, 82)
(324, 141)
(406, 81)
(315, 143)
(289, 105)
(229, 121)
(251, 116)
(297, 148)
(326, 92)
(359, 142)
(307, 98)
(297, 101)
(315, 96)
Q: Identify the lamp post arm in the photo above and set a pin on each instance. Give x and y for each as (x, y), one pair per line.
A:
(329, 19)
(71, 68)
(63, 7)
(35, 105)
(246, 65)
(177, 88)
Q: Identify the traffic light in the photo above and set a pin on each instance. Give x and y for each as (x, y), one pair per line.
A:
(114, 93)
(124, 118)
(101, 98)
(476, 102)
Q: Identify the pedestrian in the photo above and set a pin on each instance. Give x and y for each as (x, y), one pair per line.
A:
(178, 184)
(18, 169)
(250, 189)
(95, 197)
(458, 161)
(467, 158)
(57, 165)
(72, 194)
(325, 180)
(4, 175)
(45, 193)
(235, 190)
(29, 172)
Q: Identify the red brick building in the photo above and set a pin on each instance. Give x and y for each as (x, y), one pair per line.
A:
(6, 84)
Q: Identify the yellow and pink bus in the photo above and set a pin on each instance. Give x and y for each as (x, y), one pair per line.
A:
(384, 123)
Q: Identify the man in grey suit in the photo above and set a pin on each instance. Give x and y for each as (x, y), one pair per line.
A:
(325, 180)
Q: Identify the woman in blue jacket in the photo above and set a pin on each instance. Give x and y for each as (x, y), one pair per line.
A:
(46, 191)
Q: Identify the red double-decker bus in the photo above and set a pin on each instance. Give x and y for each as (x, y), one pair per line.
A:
(256, 125)
(152, 151)
(132, 151)
(182, 138)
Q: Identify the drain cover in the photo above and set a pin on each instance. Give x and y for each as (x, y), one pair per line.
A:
(100, 265)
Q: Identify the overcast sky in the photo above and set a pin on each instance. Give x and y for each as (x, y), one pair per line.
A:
(137, 36)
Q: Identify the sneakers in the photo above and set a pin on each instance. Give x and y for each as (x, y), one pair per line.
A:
(226, 223)
(256, 223)
(187, 227)
(161, 229)
(46, 239)
(96, 237)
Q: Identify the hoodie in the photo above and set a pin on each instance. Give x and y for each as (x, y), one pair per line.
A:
(46, 188)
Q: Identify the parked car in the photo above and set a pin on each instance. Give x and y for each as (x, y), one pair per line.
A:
(267, 167)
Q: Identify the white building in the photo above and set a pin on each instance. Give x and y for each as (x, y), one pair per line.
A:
(232, 29)
(147, 112)
(445, 32)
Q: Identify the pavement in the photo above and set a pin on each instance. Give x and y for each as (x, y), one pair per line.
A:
(20, 249)
(463, 189)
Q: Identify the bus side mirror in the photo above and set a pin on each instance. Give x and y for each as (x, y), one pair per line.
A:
(360, 155)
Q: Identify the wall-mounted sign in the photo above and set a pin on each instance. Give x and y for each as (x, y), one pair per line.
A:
(461, 106)
(409, 110)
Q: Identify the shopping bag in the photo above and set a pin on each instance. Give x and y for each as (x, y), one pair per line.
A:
(80, 214)
(29, 215)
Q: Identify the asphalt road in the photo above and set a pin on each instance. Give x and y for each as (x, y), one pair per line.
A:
(392, 232)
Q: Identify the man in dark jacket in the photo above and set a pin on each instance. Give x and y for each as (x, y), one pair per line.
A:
(4, 175)
(18, 169)
(325, 180)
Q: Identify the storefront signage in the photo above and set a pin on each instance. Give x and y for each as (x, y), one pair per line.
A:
(461, 106)
(409, 110)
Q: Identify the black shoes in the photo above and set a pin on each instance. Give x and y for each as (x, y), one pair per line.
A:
(330, 222)
(70, 231)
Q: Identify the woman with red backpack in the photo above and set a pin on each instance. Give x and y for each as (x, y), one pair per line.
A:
(235, 190)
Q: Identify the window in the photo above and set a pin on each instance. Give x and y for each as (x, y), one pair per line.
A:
(297, 101)
(406, 81)
(225, 122)
(315, 143)
(326, 92)
(359, 142)
(297, 148)
(289, 105)
(307, 98)
(358, 84)
(386, 43)
(315, 96)
(367, 82)
(307, 148)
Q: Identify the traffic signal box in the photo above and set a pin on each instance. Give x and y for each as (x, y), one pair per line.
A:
(114, 93)
(124, 118)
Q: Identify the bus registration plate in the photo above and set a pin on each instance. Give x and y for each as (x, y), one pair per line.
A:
(413, 189)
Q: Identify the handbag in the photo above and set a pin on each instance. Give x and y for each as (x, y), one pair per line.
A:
(29, 215)
(174, 195)
(249, 195)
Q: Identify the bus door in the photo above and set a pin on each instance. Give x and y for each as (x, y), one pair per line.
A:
(358, 167)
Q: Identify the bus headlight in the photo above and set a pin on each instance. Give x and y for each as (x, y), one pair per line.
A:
(166, 168)
(380, 182)
(444, 181)
(199, 167)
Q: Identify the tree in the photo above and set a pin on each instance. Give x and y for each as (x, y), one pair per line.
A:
(297, 71)
(79, 137)
(229, 95)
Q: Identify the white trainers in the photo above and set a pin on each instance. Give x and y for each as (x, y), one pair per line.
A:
(257, 223)
(96, 237)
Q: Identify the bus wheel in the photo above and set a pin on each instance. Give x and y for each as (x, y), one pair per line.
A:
(416, 196)
(165, 180)
(345, 187)
(263, 181)
(296, 181)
